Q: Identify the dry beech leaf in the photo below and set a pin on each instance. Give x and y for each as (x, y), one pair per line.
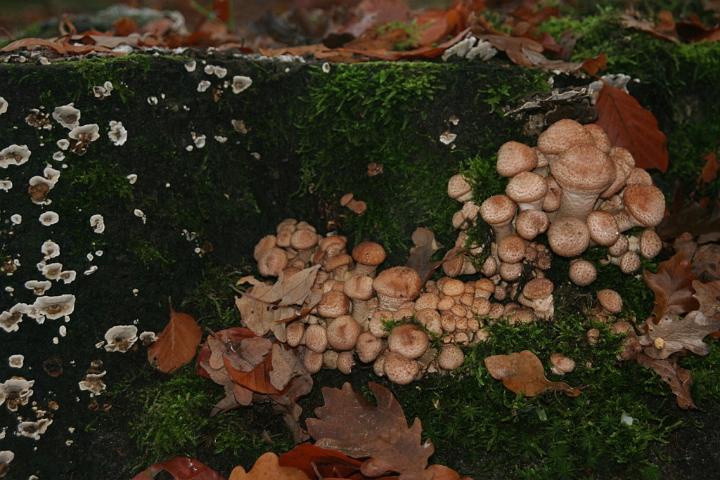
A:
(631, 126)
(349, 423)
(257, 379)
(523, 372)
(708, 295)
(267, 468)
(420, 255)
(679, 379)
(672, 285)
(177, 343)
(181, 468)
(710, 169)
(674, 334)
(594, 65)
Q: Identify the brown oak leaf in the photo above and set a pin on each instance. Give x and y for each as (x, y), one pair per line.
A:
(672, 285)
(523, 372)
(180, 467)
(674, 334)
(679, 379)
(177, 343)
(267, 468)
(631, 126)
(349, 423)
(708, 295)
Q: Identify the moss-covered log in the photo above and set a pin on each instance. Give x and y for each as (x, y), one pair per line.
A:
(217, 170)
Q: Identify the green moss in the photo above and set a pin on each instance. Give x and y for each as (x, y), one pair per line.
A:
(173, 415)
(97, 71)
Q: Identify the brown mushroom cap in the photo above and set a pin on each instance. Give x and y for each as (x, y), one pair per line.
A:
(638, 175)
(629, 262)
(333, 304)
(343, 332)
(511, 249)
(369, 253)
(610, 300)
(538, 288)
(568, 236)
(368, 347)
(650, 244)
(562, 135)
(312, 361)
(397, 285)
(583, 168)
(498, 210)
(561, 364)
(303, 239)
(450, 357)
(582, 272)
(359, 287)
(345, 362)
(347, 198)
(515, 157)
(332, 263)
(531, 223)
(264, 246)
(602, 227)
(620, 246)
(624, 163)
(510, 271)
(294, 333)
(600, 138)
(427, 301)
(646, 204)
(399, 369)
(273, 262)
(333, 245)
(315, 338)
(459, 188)
(452, 287)
(526, 187)
(408, 340)
(551, 202)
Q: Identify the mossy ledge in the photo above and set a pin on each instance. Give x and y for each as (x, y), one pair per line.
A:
(310, 135)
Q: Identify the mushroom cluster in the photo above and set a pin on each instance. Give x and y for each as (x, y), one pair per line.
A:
(577, 189)
(355, 312)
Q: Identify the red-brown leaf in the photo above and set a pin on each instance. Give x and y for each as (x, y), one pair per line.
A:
(710, 169)
(672, 285)
(631, 126)
(593, 65)
(177, 343)
(181, 468)
(523, 372)
(257, 379)
(328, 463)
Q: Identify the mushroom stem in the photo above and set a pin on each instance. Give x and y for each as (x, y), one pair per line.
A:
(575, 204)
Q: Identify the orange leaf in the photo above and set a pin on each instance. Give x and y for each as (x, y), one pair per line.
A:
(523, 372)
(267, 468)
(710, 170)
(124, 26)
(257, 379)
(181, 468)
(593, 65)
(631, 126)
(221, 8)
(176, 344)
(672, 285)
(328, 463)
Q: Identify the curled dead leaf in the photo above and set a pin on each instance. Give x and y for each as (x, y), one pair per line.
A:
(267, 467)
(523, 372)
(176, 344)
(672, 285)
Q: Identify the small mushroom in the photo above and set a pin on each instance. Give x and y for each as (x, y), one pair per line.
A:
(315, 338)
(537, 294)
(459, 188)
(528, 190)
(408, 340)
(582, 272)
(499, 211)
(49, 218)
(343, 332)
(16, 392)
(67, 115)
(610, 301)
(396, 286)
(450, 357)
(333, 304)
(514, 158)
(561, 364)
(563, 135)
(568, 236)
(367, 256)
(55, 307)
(368, 347)
(359, 288)
(644, 207)
(14, 155)
(399, 369)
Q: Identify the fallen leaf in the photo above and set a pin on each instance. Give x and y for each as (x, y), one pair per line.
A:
(424, 248)
(523, 372)
(328, 463)
(679, 379)
(262, 317)
(285, 402)
(700, 221)
(631, 126)
(177, 343)
(292, 290)
(672, 286)
(632, 20)
(706, 262)
(708, 296)
(594, 65)
(349, 423)
(674, 334)
(267, 468)
(710, 169)
(181, 468)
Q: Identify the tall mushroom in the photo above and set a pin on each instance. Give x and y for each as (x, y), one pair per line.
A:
(396, 286)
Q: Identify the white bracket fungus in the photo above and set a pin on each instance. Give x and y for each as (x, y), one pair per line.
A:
(120, 338)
